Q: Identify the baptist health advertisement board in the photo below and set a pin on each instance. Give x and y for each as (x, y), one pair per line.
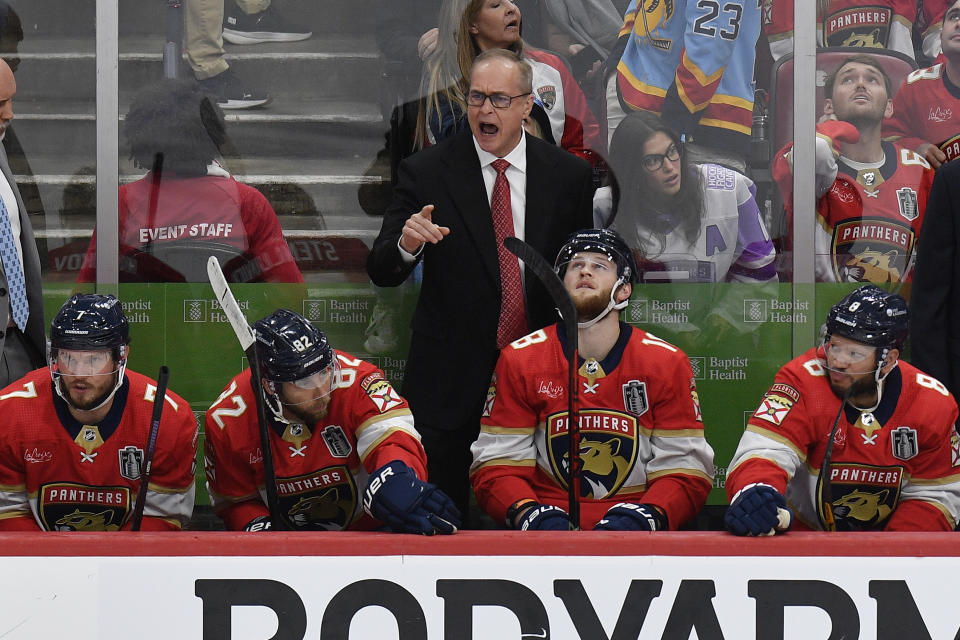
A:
(469, 597)
(736, 335)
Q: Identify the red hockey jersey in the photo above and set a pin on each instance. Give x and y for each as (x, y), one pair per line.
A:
(213, 208)
(640, 427)
(60, 475)
(868, 222)
(895, 468)
(877, 24)
(926, 109)
(321, 469)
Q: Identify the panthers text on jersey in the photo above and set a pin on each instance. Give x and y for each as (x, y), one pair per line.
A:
(321, 469)
(868, 222)
(66, 476)
(923, 111)
(874, 24)
(641, 432)
(895, 468)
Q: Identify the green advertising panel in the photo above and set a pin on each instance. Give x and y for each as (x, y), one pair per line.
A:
(736, 335)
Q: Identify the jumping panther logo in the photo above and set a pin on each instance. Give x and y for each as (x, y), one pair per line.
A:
(871, 266)
(325, 510)
(654, 14)
(604, 470)
(869, 40)
(86, 521)
(861, 509)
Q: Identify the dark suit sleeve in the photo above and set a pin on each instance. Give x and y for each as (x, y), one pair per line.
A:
(585, 205)
(385, 266)
(933, 279)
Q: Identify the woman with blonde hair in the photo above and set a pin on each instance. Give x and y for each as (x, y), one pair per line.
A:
(469, 27)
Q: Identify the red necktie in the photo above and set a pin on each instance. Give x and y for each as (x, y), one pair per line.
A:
(513, 316)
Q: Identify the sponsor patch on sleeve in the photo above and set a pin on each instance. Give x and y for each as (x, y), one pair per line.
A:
(777, 403)
(955, 449)
(369, 379)
(491, 397)
(383, 395)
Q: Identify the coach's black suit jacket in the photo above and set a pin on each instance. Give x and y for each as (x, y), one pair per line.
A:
(935, 295)
(453, 347)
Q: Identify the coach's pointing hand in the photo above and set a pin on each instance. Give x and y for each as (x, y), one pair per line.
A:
(419, 228)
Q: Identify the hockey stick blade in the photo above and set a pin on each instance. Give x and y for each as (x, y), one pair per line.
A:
(548, 277)
(159, 399)
(247, 339)
(568, 313)
(229, 304)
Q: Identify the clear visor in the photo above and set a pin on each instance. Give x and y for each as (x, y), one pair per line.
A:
(321, 383)
(83, 363)
(589, 261)
(844, 355)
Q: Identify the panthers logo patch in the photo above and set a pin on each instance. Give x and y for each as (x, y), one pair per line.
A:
(67, 506)
(608, 450)
(871, 250)
(862, 26)
(325, 500)
(864, 496)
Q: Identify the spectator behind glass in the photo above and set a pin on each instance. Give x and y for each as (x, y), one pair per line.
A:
(692, 64)
(685, 221)
(926, 109)
(469, 27)
(871, 195)
(188, 206)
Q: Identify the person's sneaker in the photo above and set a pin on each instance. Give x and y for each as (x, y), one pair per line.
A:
(231, 93)
(266, 26)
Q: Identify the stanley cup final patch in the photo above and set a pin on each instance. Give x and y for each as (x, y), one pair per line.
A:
(777, 403)
(904, 443)
(635, 397)
(955, 449)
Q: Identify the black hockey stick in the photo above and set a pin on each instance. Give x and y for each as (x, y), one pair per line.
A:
(248, 343)
(159, 399)
(824, 490)
(546, 275)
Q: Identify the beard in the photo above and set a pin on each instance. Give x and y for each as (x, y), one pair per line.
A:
(590, 306)
(857, 387)
(90, 404)
(309, 416)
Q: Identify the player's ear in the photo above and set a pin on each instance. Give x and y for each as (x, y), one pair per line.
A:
(892, 356)
(828, 107)
(888, 111)
(624, 292)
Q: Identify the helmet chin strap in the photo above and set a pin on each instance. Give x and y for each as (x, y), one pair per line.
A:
(878, 378)
(274, 403)
(613, 304)
(58, 384)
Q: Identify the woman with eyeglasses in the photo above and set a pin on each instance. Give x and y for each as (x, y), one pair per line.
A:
(687, 222)
(466, 29)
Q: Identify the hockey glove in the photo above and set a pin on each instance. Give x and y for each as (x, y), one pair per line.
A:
(829, 136)
(407, 504)
(626, 516)
(758, 510)
(260, 523)
(544, 517)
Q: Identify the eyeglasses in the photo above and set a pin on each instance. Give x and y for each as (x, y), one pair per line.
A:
(848, 354)
(653, 161)
(498, 100)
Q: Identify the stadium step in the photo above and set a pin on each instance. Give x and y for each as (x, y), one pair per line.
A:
(309, 151)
